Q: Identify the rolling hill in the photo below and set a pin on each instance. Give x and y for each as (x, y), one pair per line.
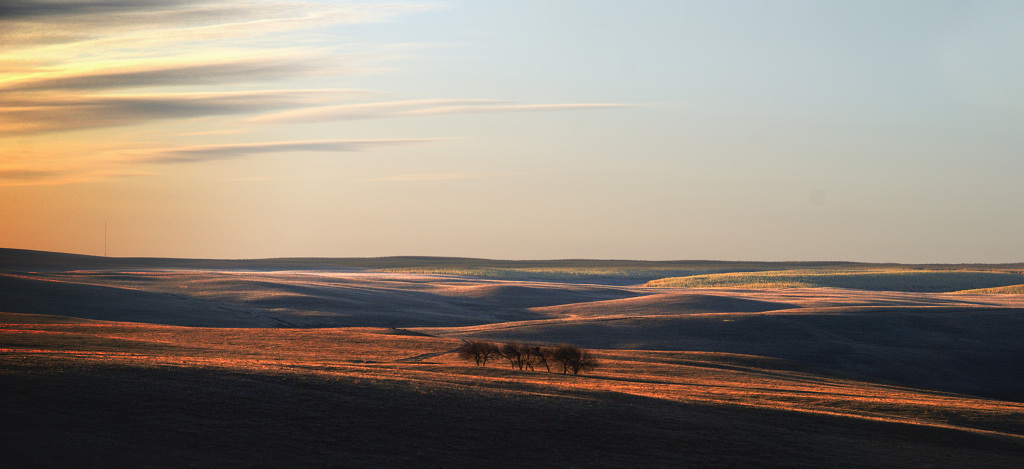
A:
(168, 362)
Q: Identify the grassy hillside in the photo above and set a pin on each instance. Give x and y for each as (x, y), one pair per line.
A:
(1007, 290)
(613, 272)
(954, 342)
(98, 394)
(972, 351)
(741, 377)
(875, 280)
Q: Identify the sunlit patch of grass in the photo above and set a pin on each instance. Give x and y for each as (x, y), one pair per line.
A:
(880, 280)
(429, 365)
(557, 274)
(1007, 290)
(597, 270)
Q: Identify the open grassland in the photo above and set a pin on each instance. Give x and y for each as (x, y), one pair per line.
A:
(966, 343)
(684, 273)
(1007, 290)
(608, 272)
(907, 280)
(353, 363)
(93, 393)
(955, 342)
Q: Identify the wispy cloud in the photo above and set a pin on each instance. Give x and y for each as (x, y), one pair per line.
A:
(34, 9)
(132, 163)
(16, 13)
(188, 74)
(510, 107)
(202, 19)
(69, 65)
(20, 175)
(424, 107)
(29, 114)
(192, 154)
(88, 66)
(44, 177)
(83, 69)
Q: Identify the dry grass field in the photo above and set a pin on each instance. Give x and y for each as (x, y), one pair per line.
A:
(889, 279)
(80, 392)
(192, 365)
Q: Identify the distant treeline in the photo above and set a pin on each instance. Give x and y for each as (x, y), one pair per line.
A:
(529, 357)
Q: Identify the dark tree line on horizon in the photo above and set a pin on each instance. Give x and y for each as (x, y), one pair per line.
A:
(529, 357)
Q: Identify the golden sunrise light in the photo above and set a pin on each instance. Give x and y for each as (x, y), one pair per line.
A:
(685, 234)
(764, 131)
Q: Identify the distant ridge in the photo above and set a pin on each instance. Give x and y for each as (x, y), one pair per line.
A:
(43, 261)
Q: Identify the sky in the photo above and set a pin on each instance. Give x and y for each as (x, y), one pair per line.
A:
(874, 131)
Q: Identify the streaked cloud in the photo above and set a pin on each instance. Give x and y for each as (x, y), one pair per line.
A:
(81, 75)
(33, 9)
(199, 153)
(93, 66)
(202, 19)
(188, 74)
(30, 113)
(16, 175)
(46, 177)
(75, 65)
(510, 107)
(424, 107)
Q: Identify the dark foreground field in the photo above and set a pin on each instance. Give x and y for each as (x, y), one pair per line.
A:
(112, 394)
(181, 366)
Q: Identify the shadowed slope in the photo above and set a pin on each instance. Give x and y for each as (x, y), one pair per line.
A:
(247, 299)
(528, 296)
(181, 417)
(25, 294)
(974, 351)
(664, 303)
(959, 342)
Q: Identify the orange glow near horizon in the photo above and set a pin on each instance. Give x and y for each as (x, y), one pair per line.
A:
(659, 131)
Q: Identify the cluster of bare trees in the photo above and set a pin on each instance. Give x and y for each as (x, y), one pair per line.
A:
(528, 357)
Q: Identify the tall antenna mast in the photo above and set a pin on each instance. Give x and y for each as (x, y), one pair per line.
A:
(104, 238)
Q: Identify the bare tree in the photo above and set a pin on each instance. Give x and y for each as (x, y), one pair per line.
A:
(587, 362)
(541, 355)
(529, 356)
(488, 349)
(512, 351)
(561, 357)
(573, 358)
(469, 351)
(477, 350)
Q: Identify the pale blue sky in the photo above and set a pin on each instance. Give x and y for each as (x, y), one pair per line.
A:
(864, 131)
